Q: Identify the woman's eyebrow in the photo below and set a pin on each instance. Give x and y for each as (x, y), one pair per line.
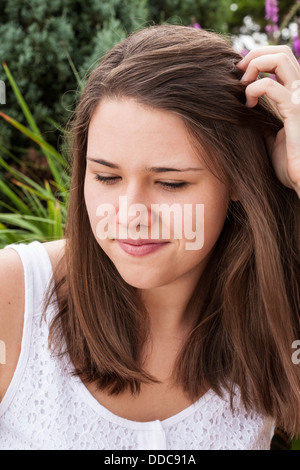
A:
(152, 169)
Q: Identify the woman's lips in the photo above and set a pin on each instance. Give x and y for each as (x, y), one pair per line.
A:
(140, 247)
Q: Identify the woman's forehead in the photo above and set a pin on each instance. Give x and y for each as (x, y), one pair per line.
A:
(126, 129)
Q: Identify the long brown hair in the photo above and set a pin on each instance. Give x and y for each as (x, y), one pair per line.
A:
(247, 315)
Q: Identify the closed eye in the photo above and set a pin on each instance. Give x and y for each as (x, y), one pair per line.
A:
(172, 186)
(167, 185)
(106, 179)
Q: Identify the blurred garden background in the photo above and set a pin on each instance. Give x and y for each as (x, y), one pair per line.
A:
(47, 50)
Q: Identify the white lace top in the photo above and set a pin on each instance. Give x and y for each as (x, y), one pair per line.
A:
(47, 408)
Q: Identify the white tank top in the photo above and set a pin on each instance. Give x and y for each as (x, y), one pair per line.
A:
(45, 407)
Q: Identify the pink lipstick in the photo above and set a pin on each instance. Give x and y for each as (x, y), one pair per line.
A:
(140, 247)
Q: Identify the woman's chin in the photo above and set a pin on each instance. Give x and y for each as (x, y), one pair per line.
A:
(141, 282)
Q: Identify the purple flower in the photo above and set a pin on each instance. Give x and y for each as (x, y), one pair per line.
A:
(245, 51)
(197, 25)
(270, 29)
(271, 9)
(296, 45)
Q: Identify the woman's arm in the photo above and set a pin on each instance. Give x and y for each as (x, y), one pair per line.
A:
(11, 314)
(12, 304)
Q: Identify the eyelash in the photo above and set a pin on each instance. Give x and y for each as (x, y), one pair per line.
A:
(169, 186)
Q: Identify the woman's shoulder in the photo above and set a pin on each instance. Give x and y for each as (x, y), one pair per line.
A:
(55, 250)
(12, 274)
(12, 304)
(11, 264)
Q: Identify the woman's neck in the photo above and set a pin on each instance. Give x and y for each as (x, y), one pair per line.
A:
(166, 305)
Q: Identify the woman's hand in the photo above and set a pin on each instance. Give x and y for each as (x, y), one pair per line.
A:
(285, 93)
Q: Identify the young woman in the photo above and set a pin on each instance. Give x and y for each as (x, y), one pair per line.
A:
(154, 343)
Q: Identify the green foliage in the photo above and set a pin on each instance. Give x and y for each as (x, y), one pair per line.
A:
(255, 9)
(212, 14)
(37, 34)
(35, 210)
(295, 444)
(40, 35)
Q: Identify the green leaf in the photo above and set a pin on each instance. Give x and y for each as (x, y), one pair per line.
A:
(58, 226)
(55, 160)
(295, 444)
(4, 188)
(21, 100)
(35, 137)
(22, 221)
(73, 68)
(37, 210)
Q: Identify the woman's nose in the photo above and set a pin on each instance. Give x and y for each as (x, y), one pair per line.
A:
(134, 211)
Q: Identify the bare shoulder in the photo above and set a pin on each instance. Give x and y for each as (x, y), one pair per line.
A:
(11, 314)
(11, 275)
(55, 250)
(12, 305)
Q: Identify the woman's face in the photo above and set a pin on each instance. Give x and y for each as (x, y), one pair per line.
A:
(145, 183)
